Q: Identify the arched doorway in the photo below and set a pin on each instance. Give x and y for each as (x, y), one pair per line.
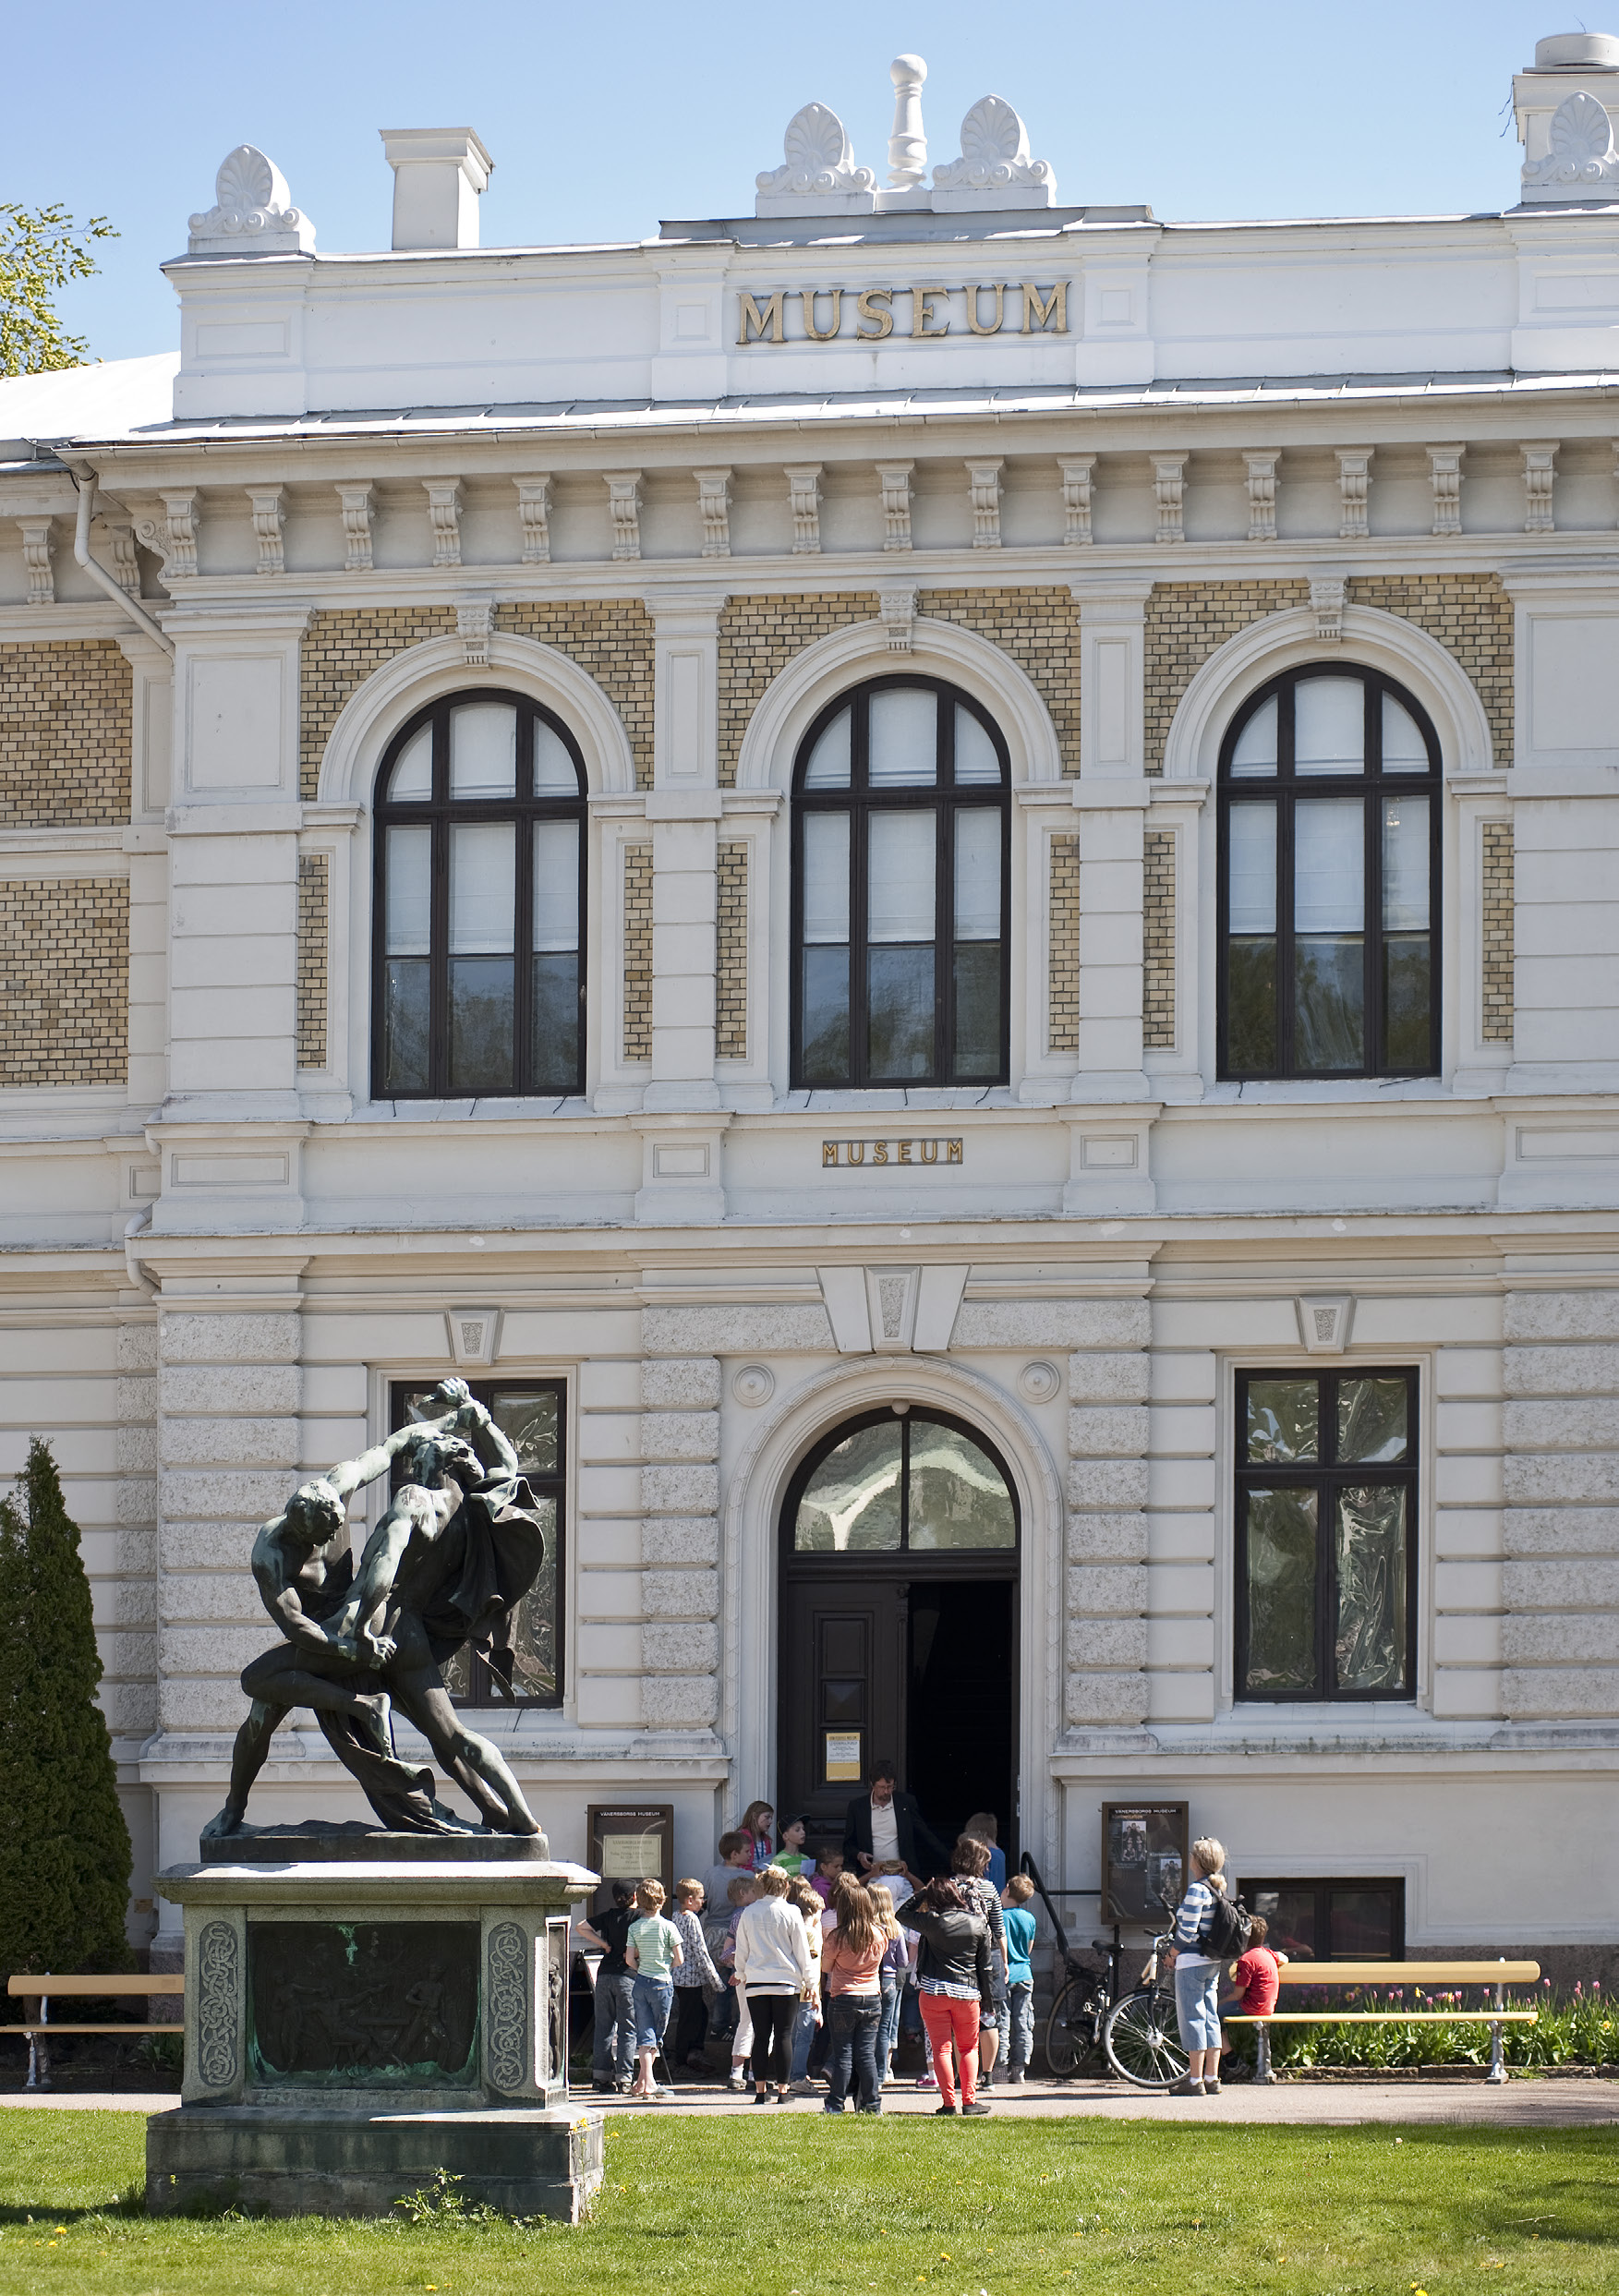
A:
(899, 1621)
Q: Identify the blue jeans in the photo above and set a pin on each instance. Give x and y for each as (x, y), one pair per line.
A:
(1196, 2011)
(614, 2022)
(803, 2032)
(888, 2027)
(654, 1999)
(1021, 2005)
(855, 2018)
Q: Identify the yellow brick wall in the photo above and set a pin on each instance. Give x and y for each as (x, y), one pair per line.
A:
(63, 981)
(1062, 1025)
(609, 638)
(1471, 617)
(1158, 941)
(731, 987)
(314, 873)
(758, 637)
(1497, 940)
(637, 1017)
(1187, 622)
(65, 715)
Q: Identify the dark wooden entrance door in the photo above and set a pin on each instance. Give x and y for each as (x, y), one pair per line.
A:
(844, 1666)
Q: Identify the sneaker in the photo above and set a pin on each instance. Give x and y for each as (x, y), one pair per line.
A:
(1015, 2074)
(623, 2088)
(763, 2097)
(735, 2081)
(940, 2110)
(836, 2110)
(976, 2107)
(800, 2088)
(1211, 2088)
(601, 2088)
(928, 2080)
(1185, 2087)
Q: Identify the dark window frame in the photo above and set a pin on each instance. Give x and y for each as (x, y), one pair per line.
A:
(438, 813)
(1286, 788)
(857, 800)
(553, 1484)
(1323, 1887)
(1327, 1477)
(946, 1562)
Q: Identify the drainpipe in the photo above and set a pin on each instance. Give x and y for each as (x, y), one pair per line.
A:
(98, 575)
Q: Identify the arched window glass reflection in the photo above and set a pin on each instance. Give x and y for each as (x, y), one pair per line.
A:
(479, 984)
(887, 1484)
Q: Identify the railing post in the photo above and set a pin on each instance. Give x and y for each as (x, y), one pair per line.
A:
(1497, 2071)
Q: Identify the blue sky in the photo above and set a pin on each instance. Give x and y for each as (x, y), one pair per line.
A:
(601, 120)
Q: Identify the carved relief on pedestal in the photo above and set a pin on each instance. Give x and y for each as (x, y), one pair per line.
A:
(506, 1996)
(219, 1987)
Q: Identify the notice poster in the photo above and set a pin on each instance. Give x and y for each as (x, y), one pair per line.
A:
(1143, 1861)
(633, 1844)
(842, 1764)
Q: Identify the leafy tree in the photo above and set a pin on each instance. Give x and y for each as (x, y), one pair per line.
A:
(39, 253)
(64, 1846)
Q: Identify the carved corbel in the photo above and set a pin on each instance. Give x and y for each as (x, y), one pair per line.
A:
(899, 612)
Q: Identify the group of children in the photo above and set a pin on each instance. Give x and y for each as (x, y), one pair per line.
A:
(808, 1972)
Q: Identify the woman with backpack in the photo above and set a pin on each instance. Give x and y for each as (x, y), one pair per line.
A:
(1208, 1930)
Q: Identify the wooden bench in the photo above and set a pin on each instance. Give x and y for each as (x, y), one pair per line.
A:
(1496, 1974)
(45, 1988)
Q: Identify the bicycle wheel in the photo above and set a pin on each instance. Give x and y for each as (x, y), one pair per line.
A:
(1070, 2030)
(1141, 2040)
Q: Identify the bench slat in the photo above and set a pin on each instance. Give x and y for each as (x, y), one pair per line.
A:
(46, 2032)
(1410, 1972)
(1392, 2018)
(107, 1987)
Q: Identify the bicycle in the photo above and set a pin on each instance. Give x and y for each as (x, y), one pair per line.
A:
(1074, 2023)
(1140, 2034)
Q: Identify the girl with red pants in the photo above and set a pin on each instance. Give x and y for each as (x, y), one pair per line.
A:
(955, 1982)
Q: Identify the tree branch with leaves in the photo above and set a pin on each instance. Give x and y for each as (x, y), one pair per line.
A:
(40, 250)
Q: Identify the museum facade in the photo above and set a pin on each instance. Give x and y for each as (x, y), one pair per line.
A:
(930, 878)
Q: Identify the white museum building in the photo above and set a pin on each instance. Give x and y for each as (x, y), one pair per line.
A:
(934, 879)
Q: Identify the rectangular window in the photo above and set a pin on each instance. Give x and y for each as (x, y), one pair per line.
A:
(1314, 1920)
(1327, 1535)
(526, 1651)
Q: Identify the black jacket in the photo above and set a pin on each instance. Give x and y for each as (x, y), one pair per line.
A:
(955, 1950)
(920, 1850)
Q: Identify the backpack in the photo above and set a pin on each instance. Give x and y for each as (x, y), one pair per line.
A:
(1229, 1928)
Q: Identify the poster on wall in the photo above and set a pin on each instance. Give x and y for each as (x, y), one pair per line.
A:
(632, 1845)
(1143, 1860)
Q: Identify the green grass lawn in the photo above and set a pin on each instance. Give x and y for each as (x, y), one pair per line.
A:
(792, 2205)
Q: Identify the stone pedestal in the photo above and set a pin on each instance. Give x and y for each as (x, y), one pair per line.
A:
(354, 2024)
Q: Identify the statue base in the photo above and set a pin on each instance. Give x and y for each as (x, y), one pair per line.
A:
(356, 2023)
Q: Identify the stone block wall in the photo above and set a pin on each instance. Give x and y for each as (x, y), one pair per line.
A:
(1062, 1025)
(731, 1035)
(314, 929)
(680, 1542)
(65, 981)
(1105, 1646)
(637, 930)
(66, 735)
(1159, 940)
(1560, 1591)
(229, 1388)
(1497, 934)
(128, 1692)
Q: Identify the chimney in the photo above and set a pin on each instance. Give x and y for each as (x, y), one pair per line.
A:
(1566, 106)
(437, 175)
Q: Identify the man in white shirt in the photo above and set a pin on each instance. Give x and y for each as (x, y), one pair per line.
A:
(885, 1828)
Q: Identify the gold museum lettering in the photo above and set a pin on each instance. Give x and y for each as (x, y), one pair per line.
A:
(845, 1154)
(820, 314)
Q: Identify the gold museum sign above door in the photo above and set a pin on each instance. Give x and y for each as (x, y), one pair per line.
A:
(869, 314)
(846, 1153)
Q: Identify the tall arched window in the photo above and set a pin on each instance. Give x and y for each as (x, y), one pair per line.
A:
(479, 910)
(899, 893)
(1329, 881)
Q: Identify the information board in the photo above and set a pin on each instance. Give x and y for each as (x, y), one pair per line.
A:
(1143, 1861)
(631, 1842)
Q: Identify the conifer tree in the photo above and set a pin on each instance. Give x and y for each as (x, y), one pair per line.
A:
(64, 1846)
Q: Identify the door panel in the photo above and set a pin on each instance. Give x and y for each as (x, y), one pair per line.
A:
(843, 1693)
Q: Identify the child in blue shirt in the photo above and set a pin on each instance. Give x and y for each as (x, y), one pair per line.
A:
(1019, 1930)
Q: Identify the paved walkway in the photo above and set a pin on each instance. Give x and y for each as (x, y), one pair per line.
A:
(1546, 2104)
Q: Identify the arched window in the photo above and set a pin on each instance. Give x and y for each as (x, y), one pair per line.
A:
(890, 1484)
(480, 910)
(901, 876)
(1329, 881)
